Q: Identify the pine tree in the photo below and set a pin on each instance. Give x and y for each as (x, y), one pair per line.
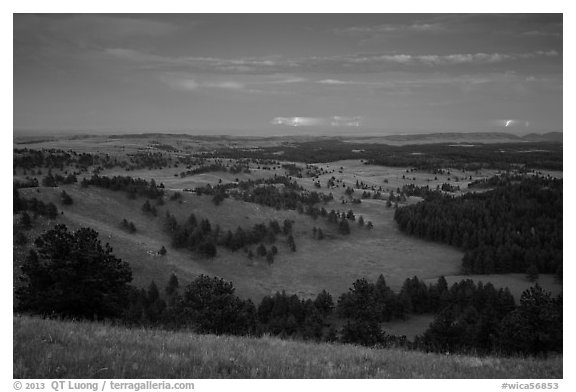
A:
(146, 207)
(172, 286)
(535, 326)
(72, 275)
(532, 273)
(287, 228)
(343, 226)
(153, 294)
(66, 199)
(324, 303)
(261, 250)
(291, 243)
(207, 249)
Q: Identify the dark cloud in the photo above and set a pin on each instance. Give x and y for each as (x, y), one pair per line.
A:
(406, 71)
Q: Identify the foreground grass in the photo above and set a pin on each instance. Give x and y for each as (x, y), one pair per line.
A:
(56, 349)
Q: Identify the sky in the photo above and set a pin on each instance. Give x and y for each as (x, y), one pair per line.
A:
(283, 74)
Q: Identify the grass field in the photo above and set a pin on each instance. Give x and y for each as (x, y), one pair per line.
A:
(331, 264)
(56, 349)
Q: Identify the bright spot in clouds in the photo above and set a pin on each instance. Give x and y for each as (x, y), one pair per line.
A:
(335, 121)
(512, 123)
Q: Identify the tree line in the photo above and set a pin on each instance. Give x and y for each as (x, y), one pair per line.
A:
(53, 180)
(133, 186)
(72, 275)
(201, 236)
(28, 159)
(38, 207)
(290, 196)
(515, 226)
(543, 155)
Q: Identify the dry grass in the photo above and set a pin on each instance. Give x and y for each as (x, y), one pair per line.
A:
(55, 349)
(331, 264)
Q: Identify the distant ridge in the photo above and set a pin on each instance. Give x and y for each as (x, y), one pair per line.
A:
(394, 139)
(457, 138)
(545, 137)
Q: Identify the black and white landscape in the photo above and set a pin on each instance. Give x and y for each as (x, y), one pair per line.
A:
(288, 196)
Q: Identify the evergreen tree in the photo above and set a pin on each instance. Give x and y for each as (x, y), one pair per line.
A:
(153, 293)
(218, 198)
(532, 273)
(72, 275)
(66, 199)
(359, 303)
(313, 324)
(343, 226)
(324, 303)
(535, 326)
(146, 207)
(172, 286)
(261, 250)
(207, 249)
(210, 306)
(291, 243)
(386, 303)
(287, 227)
(49, 180)
(364, 332)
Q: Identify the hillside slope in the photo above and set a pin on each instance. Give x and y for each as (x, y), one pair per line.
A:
(56, 349)
(332, 264)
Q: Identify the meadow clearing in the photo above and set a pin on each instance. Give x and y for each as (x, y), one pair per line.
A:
(332, 264)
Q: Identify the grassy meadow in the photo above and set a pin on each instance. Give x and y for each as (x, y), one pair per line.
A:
(64, 349)
(332, 264)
